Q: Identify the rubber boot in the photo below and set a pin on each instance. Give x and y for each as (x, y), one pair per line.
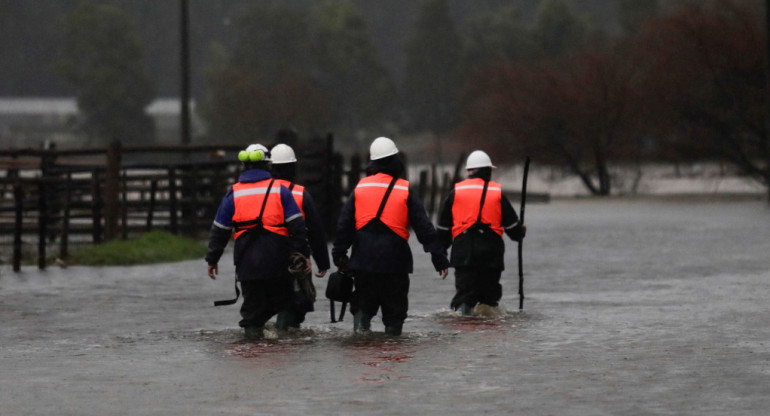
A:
(465, 309)
(362, 322)
(254, 332)
(394, 330)
(285, 320)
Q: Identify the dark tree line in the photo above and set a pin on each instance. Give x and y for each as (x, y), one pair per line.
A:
(587, 89)
(690, 84)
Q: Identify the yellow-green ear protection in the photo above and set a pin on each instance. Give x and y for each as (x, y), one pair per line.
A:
(253, 156)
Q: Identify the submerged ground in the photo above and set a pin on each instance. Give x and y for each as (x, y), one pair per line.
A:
(633, 307)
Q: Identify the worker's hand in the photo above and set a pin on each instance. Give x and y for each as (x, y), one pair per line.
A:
(342, 263)
(308, 266)
(213, 271)
(443, 273)
(321, 273)
(440, 262)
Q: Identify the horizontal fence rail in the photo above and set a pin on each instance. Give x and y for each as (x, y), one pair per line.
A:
(55, 198)
(52, 199)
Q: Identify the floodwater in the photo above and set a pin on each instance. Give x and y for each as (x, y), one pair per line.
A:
(633, 307)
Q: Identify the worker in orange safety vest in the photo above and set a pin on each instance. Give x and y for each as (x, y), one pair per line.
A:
(269, 230)
(375, 222)
(472, 220)
(284, 170)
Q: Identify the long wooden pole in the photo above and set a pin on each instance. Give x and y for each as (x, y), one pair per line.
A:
(521, 242)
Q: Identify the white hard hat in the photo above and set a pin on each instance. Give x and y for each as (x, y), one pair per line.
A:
(382, 147)
(478, 159)
(254, 153)
(282, 153)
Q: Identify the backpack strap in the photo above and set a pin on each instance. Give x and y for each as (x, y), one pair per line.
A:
(483, 196)
(230, 301)
(258, 222)
(385, 198)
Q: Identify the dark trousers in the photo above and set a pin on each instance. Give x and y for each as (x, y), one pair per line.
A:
(264, 298)
(389, 291)
(477, 285)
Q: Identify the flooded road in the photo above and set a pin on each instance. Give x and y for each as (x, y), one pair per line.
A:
(633, 307)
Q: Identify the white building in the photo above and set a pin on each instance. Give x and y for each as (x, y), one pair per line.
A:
(27, 122)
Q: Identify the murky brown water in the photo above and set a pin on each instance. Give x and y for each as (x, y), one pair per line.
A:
(642, 308)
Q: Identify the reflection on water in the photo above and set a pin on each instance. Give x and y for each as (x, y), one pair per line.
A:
(380, 355)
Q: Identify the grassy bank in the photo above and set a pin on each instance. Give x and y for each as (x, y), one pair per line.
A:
(152, 247)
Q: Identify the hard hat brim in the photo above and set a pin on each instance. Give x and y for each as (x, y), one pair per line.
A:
(391, 153)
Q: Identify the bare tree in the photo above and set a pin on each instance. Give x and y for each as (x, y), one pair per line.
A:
(579, 111)
(706, 80)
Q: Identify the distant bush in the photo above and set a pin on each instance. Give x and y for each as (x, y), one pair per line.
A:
(152, 247)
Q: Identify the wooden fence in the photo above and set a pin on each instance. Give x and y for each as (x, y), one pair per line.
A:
(54, 198)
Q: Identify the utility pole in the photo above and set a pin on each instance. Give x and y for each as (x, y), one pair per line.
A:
(185, 74)
(767, 88)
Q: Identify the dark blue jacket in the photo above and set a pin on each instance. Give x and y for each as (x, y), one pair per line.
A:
(260, 255)
(385, 252)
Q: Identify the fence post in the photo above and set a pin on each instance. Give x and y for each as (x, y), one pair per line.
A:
(96, 207)
(124, 206)
(193, 182)
(433, 186)
(65, 222)
(172, 200)
(421, 185)
(151, 209)
(112, 191)
(42, 222)
(446, 186)
(18, 196)
(458, 167)
(355, 172)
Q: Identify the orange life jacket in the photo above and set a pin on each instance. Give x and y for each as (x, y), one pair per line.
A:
(368, 197)
(465, 209)
(298, 192)
(248, 199)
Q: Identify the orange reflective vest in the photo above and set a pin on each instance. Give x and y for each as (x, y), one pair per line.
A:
(298, 192)
(368, 196)
(248, 199)
(465, 209)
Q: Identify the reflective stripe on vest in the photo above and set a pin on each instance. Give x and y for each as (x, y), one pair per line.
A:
(297, 192)
(248, 198)
(368, 196)
(465, 209)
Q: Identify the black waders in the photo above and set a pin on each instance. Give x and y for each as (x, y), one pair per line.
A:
(394, 330)
(254, 332)
(285, 320)
(361, 322)
(465, 309)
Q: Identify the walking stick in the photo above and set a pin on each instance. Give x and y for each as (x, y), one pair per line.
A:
(521, 242)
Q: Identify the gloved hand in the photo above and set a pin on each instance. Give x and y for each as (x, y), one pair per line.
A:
(342, 263)
(518, 232)
(440, 261)
(299, 265)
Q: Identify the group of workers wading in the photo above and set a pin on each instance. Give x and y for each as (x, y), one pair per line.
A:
(276, 228)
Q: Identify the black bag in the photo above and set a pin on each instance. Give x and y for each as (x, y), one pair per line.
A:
(339, 287)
